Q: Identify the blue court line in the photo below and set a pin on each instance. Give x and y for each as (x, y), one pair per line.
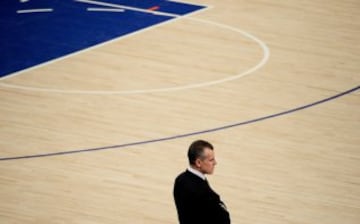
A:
(188, 134)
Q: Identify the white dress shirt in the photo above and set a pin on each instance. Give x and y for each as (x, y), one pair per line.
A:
(197, 173)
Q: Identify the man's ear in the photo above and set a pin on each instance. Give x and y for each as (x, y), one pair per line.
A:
(198, 163)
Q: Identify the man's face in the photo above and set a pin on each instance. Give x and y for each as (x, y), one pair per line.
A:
(208, 162)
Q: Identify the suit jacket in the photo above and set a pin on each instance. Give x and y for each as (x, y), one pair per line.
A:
(197, 203)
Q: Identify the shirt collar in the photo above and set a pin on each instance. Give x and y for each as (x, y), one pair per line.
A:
(197, 173)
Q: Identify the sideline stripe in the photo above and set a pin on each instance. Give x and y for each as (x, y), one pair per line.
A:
(33, 10)
(188, 134)
(105, 10)
(128, 8)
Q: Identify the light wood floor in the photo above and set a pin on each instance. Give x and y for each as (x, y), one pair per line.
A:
(302, 167)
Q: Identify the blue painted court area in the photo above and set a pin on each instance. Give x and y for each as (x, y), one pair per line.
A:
(55, 28)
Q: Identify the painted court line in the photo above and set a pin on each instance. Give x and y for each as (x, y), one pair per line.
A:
(33, 11)
(127, 7)
(187, 134)
(104, 10)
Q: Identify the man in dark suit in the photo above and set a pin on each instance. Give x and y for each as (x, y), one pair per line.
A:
(195, 201)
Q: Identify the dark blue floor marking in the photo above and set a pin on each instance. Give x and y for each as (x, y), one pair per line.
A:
(30, 39)
(188, 134)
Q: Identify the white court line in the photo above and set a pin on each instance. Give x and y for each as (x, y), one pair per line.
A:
(33, 10)
(265, 49)
(127, 7)
(104, 10)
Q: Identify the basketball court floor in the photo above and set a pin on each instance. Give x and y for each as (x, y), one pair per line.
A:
(101, 99)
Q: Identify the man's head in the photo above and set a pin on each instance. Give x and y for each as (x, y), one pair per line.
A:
(201, 156)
